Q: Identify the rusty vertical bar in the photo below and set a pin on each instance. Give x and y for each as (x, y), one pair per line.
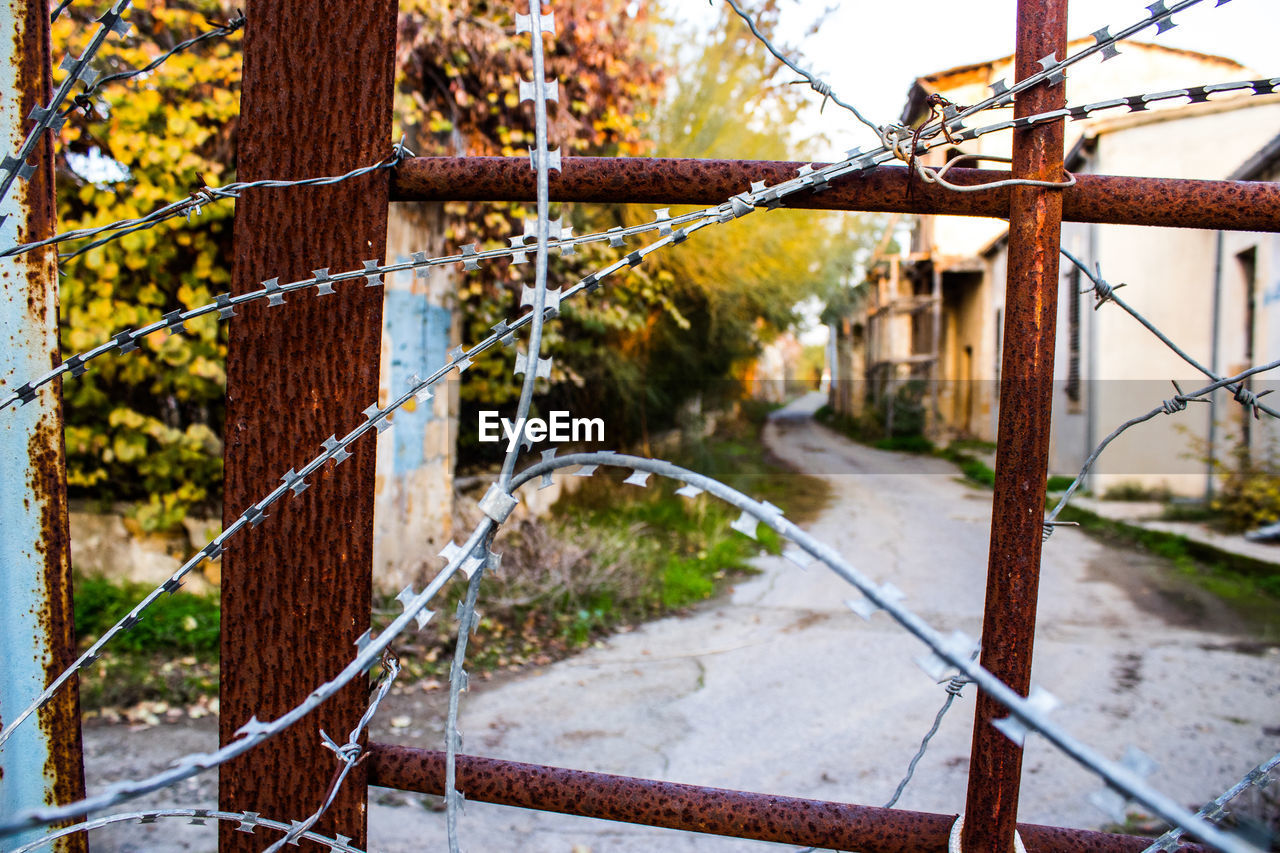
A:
(1022, 440)
(41, 764)
(316, 100)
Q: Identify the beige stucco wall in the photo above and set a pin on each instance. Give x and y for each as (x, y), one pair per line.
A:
(1169, 277)
(1140, 68)
(1169, 271)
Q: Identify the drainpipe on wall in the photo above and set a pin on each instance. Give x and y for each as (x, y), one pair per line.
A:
(1214, 333)
(1091, 344)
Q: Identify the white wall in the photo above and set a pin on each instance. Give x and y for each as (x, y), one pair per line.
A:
(1169, 277)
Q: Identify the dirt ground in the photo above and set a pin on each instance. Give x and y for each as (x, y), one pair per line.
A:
(778, 687)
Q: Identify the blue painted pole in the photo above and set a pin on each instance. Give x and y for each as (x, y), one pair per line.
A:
(41, 763)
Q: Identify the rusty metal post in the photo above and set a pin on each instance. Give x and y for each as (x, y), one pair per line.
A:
(1022, 439)
(41, 764)
(316, 100)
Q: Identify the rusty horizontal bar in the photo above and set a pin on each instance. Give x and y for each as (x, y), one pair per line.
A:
(717, 811)
(1170, 202)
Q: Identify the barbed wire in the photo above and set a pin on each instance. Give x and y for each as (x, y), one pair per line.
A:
(195, 202)
(1106, 292)
(1215, 810)
(81, 101)
(1177, 403)
(16, 166)
(954, 686)
(348, 754)
(247, 822)
(818, 85)
(811, 178)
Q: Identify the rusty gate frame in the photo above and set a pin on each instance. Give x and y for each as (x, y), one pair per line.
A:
(317, 556)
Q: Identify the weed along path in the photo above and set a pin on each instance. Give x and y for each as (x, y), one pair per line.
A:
(778, 687)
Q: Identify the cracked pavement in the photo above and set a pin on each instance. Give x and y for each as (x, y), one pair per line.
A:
(777, 687)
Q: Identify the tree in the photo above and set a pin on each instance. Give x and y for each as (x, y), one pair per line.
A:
(706, 306)
(145, 427)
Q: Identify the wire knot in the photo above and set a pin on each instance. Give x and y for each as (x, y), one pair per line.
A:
(894, 137)
(399, 153)
(1103, 290)
(1249, 400)
(347, 753)
(957, 683)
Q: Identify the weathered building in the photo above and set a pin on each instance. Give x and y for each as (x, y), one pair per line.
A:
(936, 312)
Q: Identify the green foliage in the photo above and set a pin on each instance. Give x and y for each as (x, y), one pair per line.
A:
(171, 655)
(1059, 483)
(1249, 488)
(177, 624)
(974, 470)
(615, 555)
(146, 426)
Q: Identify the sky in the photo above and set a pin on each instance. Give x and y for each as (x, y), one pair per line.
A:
(871, 51)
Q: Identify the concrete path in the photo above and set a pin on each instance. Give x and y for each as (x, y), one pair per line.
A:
(780, 688)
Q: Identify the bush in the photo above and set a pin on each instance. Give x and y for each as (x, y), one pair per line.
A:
(1249, 494)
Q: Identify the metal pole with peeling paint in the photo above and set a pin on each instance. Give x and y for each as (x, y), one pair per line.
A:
(41, 764)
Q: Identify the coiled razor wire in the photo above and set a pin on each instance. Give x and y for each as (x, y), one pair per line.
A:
(947, 652)
(499, 501)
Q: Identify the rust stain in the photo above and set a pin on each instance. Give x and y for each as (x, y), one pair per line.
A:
(46, 489)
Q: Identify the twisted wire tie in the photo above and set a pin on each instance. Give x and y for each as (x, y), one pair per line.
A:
(1249, 400)
(822, 87)
(1103, 290)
